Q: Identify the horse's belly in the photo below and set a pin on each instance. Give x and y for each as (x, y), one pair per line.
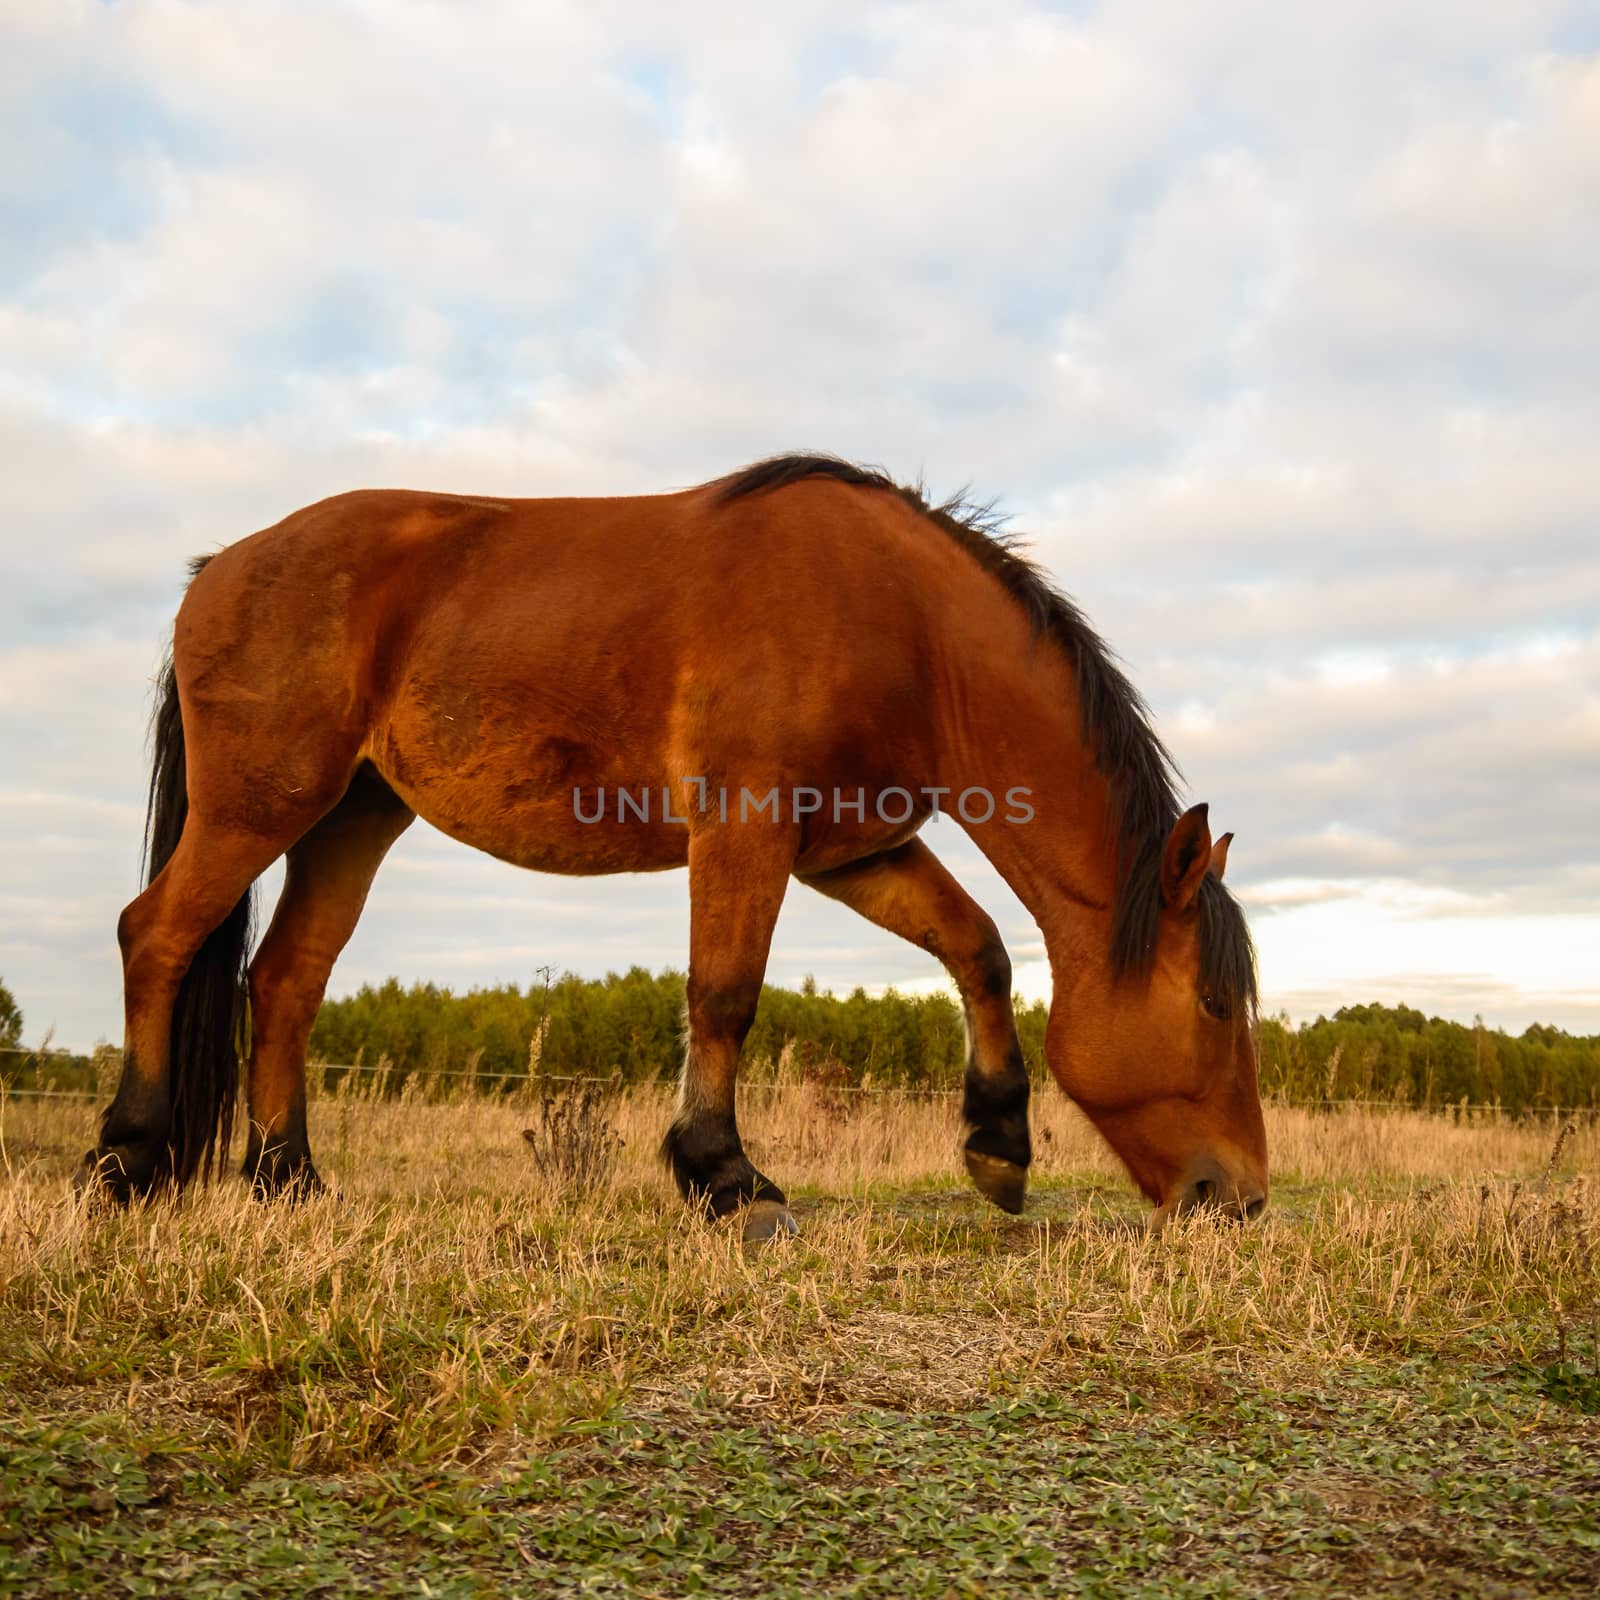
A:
(529, 798)
(581, 772)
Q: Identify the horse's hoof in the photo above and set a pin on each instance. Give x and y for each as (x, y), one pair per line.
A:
(88, 1179)
(106, 1175)
(766, 1220)
(279, 1173)
(999, 1180)
(294, 1190)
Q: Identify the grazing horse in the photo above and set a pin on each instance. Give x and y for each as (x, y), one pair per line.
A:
(780, 673)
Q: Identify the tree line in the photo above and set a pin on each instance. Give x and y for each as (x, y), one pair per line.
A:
(630, 1025)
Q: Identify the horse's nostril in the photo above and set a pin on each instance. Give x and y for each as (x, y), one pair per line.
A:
(1254, 1208)
(1205, 1191)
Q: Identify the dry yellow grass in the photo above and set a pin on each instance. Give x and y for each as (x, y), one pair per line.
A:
(1381, 1220)
(451, 1308)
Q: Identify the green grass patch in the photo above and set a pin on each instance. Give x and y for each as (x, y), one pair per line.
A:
(1448, 1487)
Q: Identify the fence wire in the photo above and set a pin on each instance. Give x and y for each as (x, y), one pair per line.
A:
(536, 1080)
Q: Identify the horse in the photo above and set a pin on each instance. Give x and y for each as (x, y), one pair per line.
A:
(784, 672)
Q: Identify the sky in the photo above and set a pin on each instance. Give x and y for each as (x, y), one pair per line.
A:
(1276, 328)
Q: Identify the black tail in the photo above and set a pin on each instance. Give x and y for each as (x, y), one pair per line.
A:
(211, 1018)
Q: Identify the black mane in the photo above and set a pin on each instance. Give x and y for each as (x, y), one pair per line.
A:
(1115, 722)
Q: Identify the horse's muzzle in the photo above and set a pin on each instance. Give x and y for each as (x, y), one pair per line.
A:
(1214, 1190)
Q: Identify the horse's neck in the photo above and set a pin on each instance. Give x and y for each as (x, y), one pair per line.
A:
(1020, 731)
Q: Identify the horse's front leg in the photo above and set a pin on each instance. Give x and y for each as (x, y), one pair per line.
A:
(908, 891)
(737, 875)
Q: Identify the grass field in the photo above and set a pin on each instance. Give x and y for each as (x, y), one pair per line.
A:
(460, 1380)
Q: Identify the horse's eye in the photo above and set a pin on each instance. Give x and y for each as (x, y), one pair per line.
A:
(1214, 1008)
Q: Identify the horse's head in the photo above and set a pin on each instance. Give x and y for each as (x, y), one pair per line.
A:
(1163, 1062)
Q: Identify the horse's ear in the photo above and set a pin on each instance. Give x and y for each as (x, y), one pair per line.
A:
(1219, 856)
(1186, 859)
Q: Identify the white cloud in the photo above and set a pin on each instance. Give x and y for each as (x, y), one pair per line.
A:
(1278, 327)
(1392, 942)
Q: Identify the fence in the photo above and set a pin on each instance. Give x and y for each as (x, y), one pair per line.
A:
(534, 1081)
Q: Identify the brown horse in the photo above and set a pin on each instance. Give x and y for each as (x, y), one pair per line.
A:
(783, 672)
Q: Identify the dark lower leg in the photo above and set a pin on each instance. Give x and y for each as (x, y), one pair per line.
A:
(709, 1163)
(277, 1157)
(995, 1101)
(160, 933)
(132, 1155)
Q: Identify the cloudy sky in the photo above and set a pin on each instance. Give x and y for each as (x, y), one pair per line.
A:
(1277, 327)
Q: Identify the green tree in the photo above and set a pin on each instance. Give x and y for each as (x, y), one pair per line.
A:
(10, 1020)
(631, 1023)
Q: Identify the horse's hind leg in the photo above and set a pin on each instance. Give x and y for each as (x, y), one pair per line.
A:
(327, 876)
(909, 892)
(737, 876)
(146, 1134)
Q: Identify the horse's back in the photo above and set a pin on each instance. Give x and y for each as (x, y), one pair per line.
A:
(377, 583)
